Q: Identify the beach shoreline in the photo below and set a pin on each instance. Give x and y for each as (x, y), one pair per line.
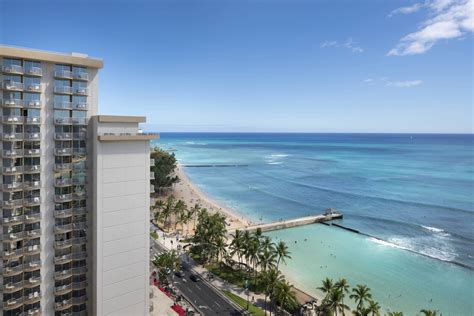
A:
(187, 191)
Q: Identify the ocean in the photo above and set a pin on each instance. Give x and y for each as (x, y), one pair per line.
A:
(411, 197)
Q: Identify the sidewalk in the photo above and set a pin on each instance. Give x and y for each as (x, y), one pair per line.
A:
(161, 303)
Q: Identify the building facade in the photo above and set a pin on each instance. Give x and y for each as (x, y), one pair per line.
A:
(47, 206)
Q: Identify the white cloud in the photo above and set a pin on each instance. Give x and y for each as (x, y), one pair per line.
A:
(407, 10)
(449, 19)
(404, 84)
(349, 44)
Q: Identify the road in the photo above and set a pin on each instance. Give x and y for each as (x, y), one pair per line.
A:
(204, 296)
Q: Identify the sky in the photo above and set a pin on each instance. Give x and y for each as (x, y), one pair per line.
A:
(267, 66)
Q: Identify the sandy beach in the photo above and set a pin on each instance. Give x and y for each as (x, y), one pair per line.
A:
(187, 191)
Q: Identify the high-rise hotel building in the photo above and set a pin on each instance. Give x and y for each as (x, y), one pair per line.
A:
(75, 190)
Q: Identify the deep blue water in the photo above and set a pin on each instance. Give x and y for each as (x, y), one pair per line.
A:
(415, 192)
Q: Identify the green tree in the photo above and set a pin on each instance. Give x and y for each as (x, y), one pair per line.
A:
(163, 169)
(374, 308)
(334, 301)
(167, 263)
(428, 312)
(270, 279)
(361, 294)
(327, 287)
(394, 314)
(283, 253)
(343, 286)
(210, 236)
(237, 246)
(285, 296)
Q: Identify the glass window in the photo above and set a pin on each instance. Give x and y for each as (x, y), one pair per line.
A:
(77, 99)
(79, 85)
(32, 64)
(61, 113)
(79, 114)
(33, 113)
(62, 98)
(12, 78)
(11, 62)
(11, 95)
(62, 83)
(79, 70)
(31, 96)
(32, 81)
(62, 67)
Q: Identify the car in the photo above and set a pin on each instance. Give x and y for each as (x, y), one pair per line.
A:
(195, 278)
(179, 273)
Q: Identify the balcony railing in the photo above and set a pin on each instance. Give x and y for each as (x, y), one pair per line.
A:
(81, 91)
(60, 182)
(65, 304)
(78, 226)
(58, 198)
(58, 290)
(34, 280)
(80, 135)
(32, 136)
(62, 227)
(32, 298)
(63, 105)
(13, 303)
(13, 286)
(63, 120)
(79, 270)
(80, 75)
(152, 175)
(63, 136)
(13, 236)
(79, 285)
(80, 106)
(13, 253)
(63, 74)
(34, 249)
(33, 218)
(13, 69)
(32, 265)
(80, 210)
(79, 121)
(14, 186)
(63, 213)
(31, 184)
(62, 259)
(79, 299)
(63, 90)
(32, 169)
(79, 151)
(12, 152)
(13, 270)
(35, 104)
(13, 203)
(62, 151)
(33, 233)
(33, 71)
(12, 119)
(63, 273)
(33, 87)
(12, 136)
(62, 166)
(63, 243)
(12, 103)
(35, 120)
(14, 169)
(12, 220)
(32, 152)
(13, 86)
(79, 255)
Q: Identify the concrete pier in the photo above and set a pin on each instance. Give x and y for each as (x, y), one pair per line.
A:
(294, 222)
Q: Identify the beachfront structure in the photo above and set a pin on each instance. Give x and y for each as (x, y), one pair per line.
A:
(50, 224)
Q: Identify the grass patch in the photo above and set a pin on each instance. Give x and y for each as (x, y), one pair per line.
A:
(253, 310)
(236, 277)
(154, 235)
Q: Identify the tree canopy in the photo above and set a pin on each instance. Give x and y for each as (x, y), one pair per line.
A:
(164, 168)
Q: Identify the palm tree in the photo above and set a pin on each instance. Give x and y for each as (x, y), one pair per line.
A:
(285, 296)
(334, 301)
(374, 308)
(179, 208)
(327, 287)
(343, 286)
(282, 252)
(270, 279)
(168, 208)
(361, 294)
(394, 314)
(167, 263)
(267, 259)
(428, 312)
(194, 211)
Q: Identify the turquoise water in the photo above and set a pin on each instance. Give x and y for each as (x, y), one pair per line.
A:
(414, 192)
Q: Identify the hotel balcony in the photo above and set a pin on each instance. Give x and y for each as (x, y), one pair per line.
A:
(32, 298)
(63, 136)
(152, 162)
(13, 236)
(63, 213)
(33, 312)
(63, 289)
(12, 69)
(63, 74)
(33, 120)
(12, 103)
(62, 167)
(9, 254)
(32, 282)
(11, 187)
(80, 135)
(59, 198)
(63, 90)
(79, 195)
(62, 274)
(80, 211)
(33, 71)
(33, 233)
(81, 91)
(79, 166)
(12, 119)
(33, 87)
(79, 270)
(32, 266)
(11, 271)
(63, 121)
(12, 137)
(12, 86)
(13, 287)
(62, 228)
(62, 151)
(31, 136)
(79, 226)
(79, 151)
(13, 303)
(62, 182)
(79, 181)
(34, 104)
(32, 250)
(12, 170)
(61, 259)
(79, 255)
(13, 203)
(152, 175)
(63, 105)
(79, 121)
(30, 185)
(80, 75)
(60, 306)
(13, 220)
(33, 218)
(32, 169)
(12, 153)
(61, 244)
(32, 152)
(80, 106)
